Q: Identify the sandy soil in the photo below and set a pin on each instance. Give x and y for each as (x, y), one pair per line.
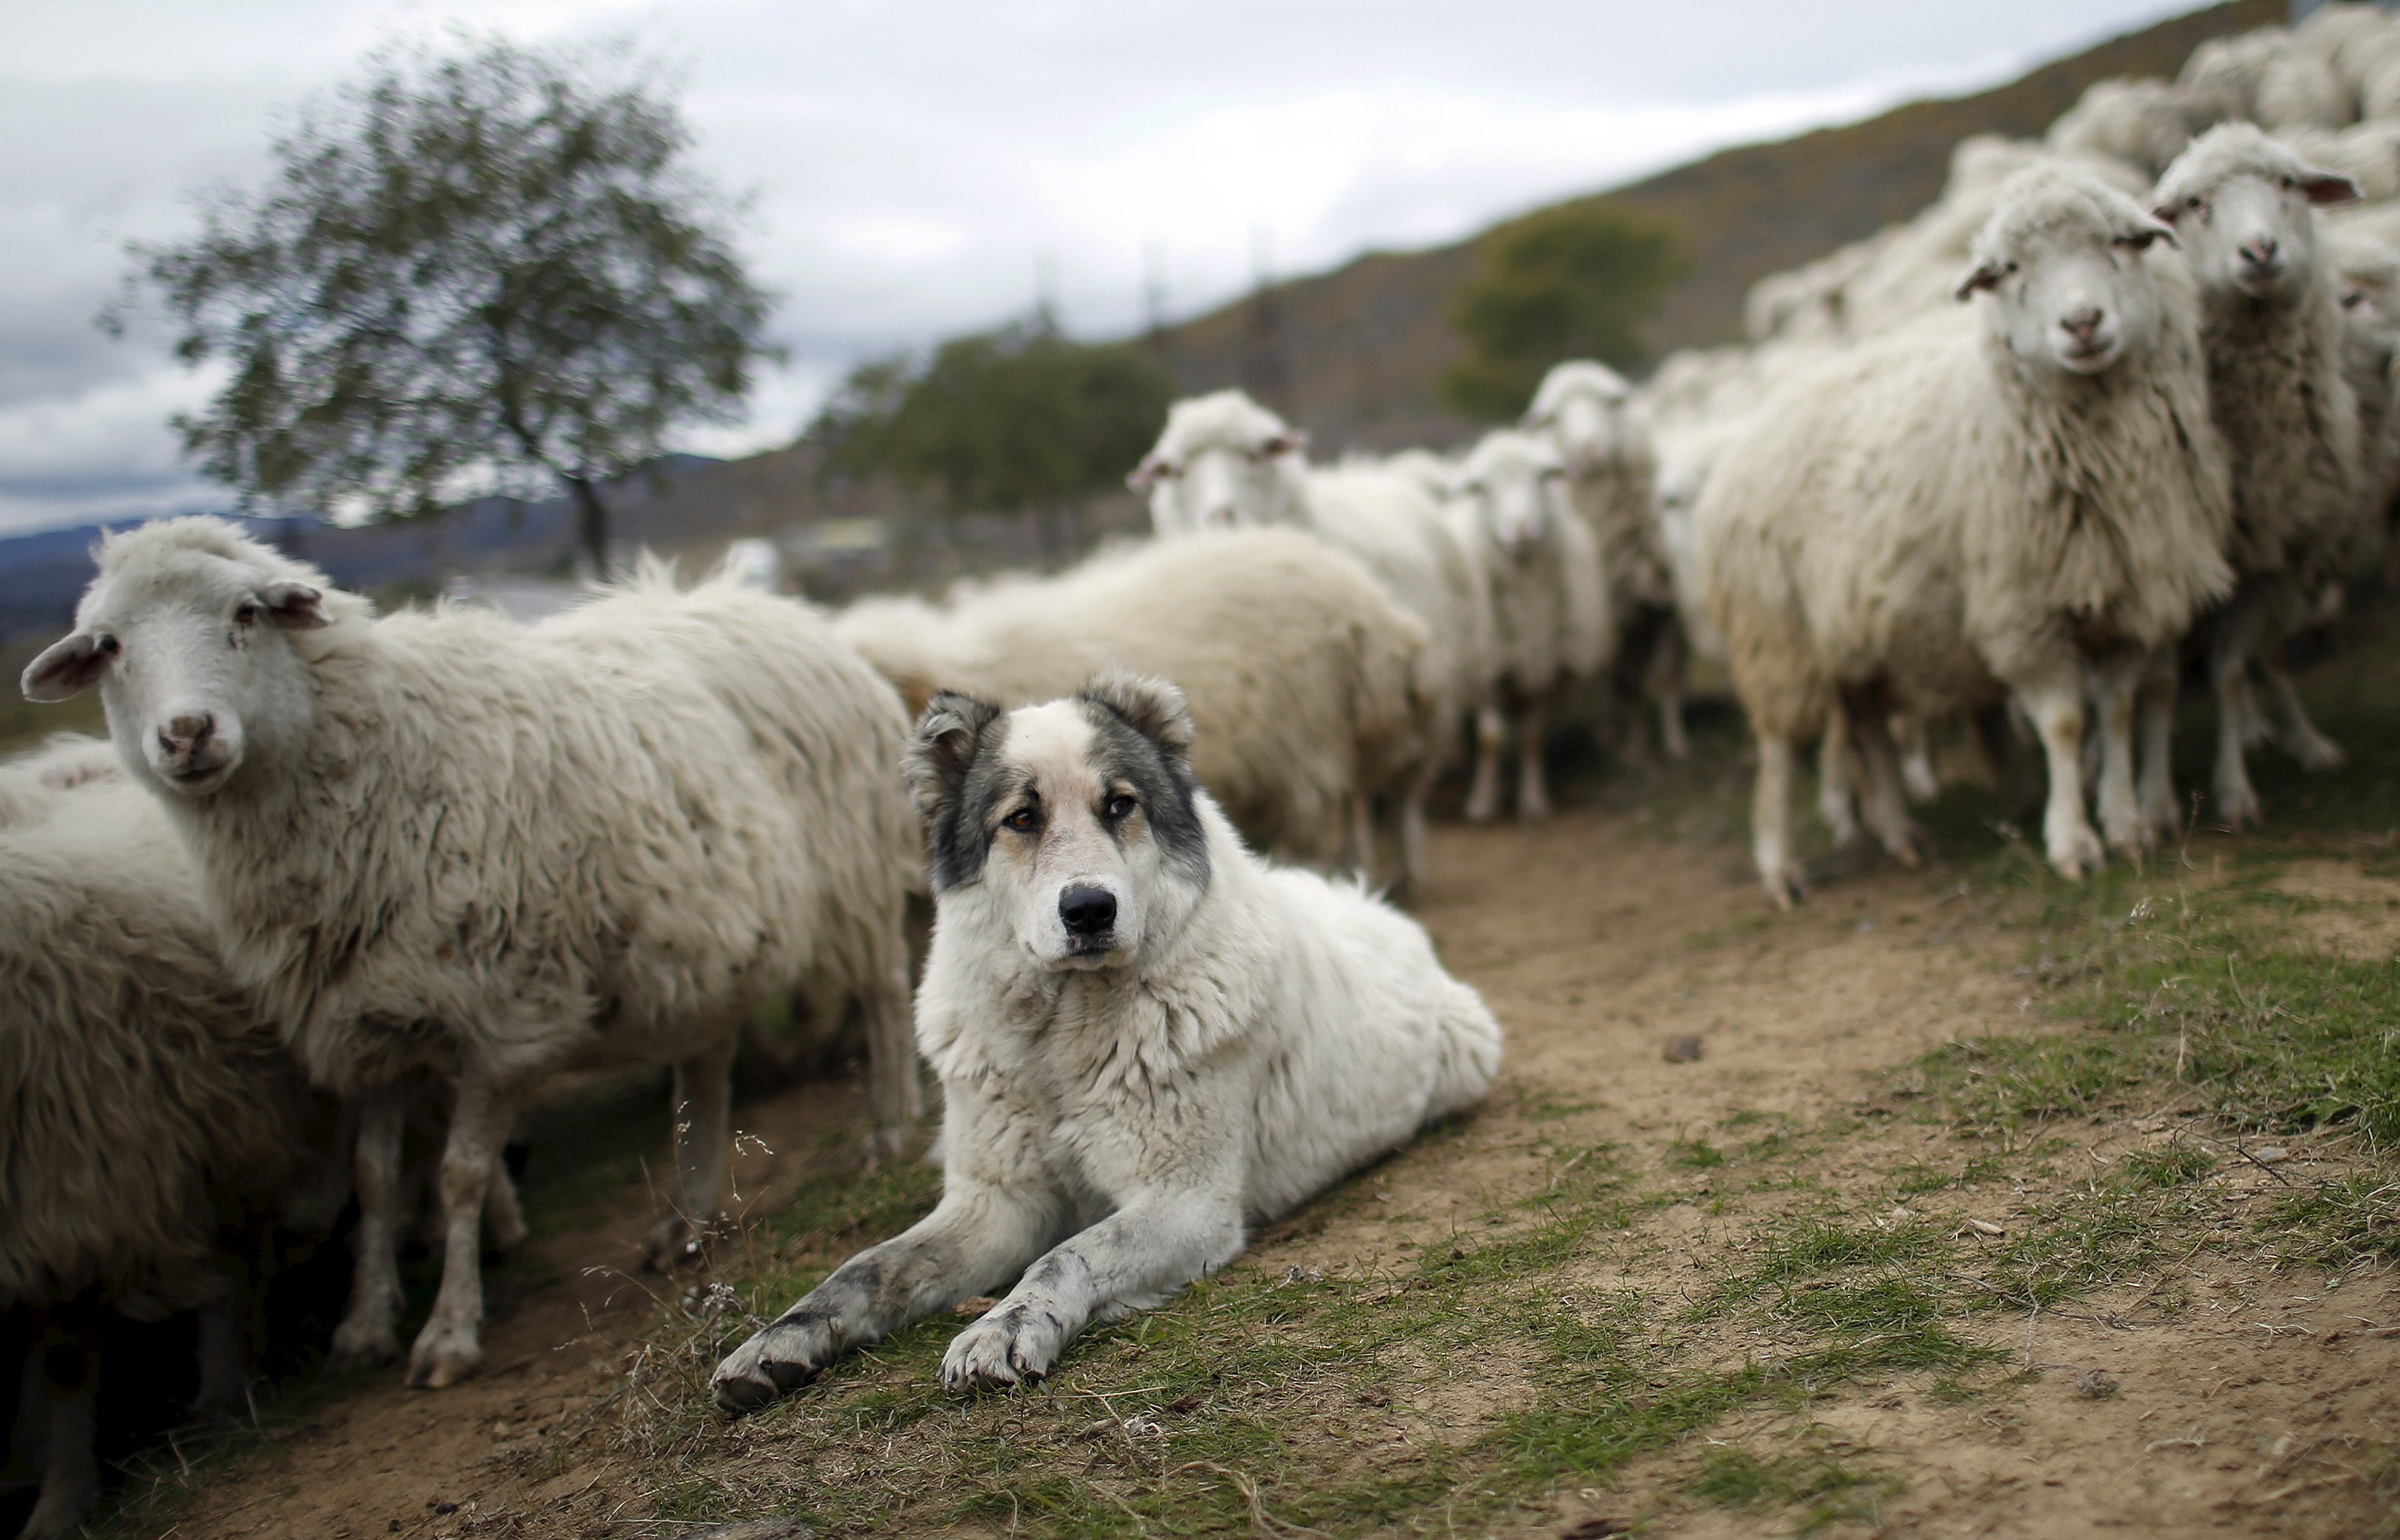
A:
(1598, 946)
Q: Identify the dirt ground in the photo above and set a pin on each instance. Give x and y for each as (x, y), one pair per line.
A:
(2247, 1411)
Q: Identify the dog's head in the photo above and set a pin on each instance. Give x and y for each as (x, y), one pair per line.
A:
(1075, 825)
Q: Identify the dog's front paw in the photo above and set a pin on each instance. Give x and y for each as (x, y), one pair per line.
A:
(782, 1357)
(1015, 1344)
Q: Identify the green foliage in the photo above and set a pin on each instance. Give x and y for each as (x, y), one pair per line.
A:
(493, 270)
(1020, 417)
(1577, 280)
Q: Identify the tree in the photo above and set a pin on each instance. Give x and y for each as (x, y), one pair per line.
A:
(1577, 280)
(1020, 417)
(487, 271)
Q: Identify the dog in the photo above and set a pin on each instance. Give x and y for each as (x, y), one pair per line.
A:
(1147, 1039)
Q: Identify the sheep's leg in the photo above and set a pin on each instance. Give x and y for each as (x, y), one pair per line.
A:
(370, 1329)
(2229, 667)
(2116, 681)
(450, 1347)
(1490, 741)
(2054, 703)
(704, 1148)
(1667, 690)
(1770, 823)
(223, 1356)
(1533, 790)
(2159, 680)
(2256, 732)
(1836, 793)
(1915, 744)
(896, 1099)
(1360, 810)
(70, 1379)
(504, 1224)
(1886, 800)
(2316, 753)
(981, 1235)
(1413, 833)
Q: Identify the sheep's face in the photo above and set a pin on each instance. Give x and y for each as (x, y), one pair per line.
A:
(194, 665)
(2076, 296)
(1515, 486)
(1067, 833)
(2245, 209)
(1223, 483)
(1588, 430)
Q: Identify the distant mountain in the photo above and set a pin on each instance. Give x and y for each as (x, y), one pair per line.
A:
(1356, 355)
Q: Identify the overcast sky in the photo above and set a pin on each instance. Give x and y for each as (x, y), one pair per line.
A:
(924, 168)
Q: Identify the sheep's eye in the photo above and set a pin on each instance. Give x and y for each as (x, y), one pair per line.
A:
(1166, 472)
(247, 614)
(2194, 202)
(2291, 183)
(1120, 806)
(110, 646)
(1022, 820)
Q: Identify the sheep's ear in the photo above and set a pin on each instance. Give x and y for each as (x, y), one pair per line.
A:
(294, 607)
(1289, 440)
(2325, 188)
(942, 749)
(1151, 707)
(1147, 474)
(1983, 275)
(65, 669)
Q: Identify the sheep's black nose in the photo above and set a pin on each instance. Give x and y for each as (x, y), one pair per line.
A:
(1087, 911)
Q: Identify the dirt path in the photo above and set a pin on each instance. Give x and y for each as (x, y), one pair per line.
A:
(2242, 1409)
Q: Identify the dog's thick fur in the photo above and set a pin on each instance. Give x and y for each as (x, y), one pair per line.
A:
(1147, 1037)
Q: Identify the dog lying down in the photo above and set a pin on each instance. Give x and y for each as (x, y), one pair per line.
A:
(1147, 1038)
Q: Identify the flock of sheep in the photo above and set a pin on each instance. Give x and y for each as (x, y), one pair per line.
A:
(339, 876)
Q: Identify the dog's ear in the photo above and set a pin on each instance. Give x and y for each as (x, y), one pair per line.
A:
(1151, 707)
(942, 746)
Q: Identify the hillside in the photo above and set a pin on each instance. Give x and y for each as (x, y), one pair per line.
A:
(1357, 353)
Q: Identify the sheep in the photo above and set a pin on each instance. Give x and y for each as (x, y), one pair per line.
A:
(1549, 604)
(2243, 206)
(1302, 671)
(2019, 499)
(2141, 123)
(2269, 78)
(1223, 460)
(444, 840)
(1590, 417)
(146, 1106)
(2366, 153)
(2355, 42)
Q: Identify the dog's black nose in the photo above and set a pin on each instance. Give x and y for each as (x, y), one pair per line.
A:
(1087, 911)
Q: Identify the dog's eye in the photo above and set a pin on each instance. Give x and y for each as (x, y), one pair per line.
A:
(1022, 820)
(1121, 805)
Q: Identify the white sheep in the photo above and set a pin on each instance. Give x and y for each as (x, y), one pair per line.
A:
(2357, 42)
(2028, 498)
(1551, 631)
(1590, 416)
(2244, 208)
(147, 1109)
(445, 840)
(2265, 77)
(2366, 153)
(1224, 461)
(2140, 124)
(1302, 671)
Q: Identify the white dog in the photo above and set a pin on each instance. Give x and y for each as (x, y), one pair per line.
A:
(1147, 1037)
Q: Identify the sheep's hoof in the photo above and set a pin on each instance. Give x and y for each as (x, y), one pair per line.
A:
(674, 1244)
(1909, 844)
(356, 1344)
(440, 1365)
(2077, 855)
(1786, 886)
(2238, 806)
(2319, 754)
(1483, 810)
